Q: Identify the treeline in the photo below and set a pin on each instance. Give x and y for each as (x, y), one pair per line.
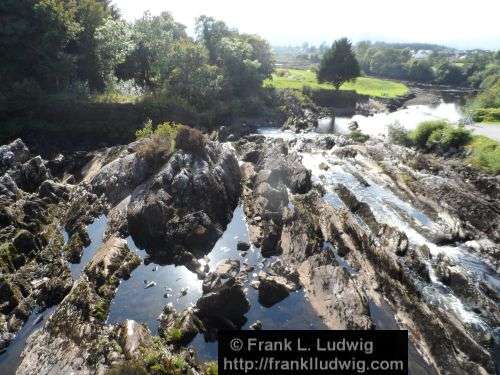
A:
(53, 49)
(428, 65)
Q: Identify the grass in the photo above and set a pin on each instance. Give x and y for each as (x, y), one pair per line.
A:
(298, 79)
(485, 154)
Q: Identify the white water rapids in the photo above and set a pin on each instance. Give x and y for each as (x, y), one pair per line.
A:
(389, 208)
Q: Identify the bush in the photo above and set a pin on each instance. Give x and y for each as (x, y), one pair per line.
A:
(439, 136)
(397, 134)
(485, 154)
(158, 144)
(211, 368)
(486, 115)
(174, 335)
(420, 135)
(357, 136)
(190, 140)
(449, 137)
(145, 131)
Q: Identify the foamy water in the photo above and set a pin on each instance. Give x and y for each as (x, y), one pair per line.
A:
(409, 118)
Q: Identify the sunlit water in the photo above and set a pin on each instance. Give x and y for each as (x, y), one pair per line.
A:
(390, 209)
(133, 301)
(9, 360)
(409, 118)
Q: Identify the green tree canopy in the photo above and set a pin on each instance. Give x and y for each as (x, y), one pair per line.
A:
(153, 38)
(339, 64)
(34, 40)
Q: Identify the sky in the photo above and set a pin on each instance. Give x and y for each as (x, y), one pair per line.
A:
(455, 23)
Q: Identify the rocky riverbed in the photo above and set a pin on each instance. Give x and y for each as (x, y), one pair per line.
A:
(127, 258)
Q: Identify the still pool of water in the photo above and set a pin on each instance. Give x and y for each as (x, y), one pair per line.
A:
(133, 301)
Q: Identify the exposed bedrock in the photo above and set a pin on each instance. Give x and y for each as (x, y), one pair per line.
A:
(182, 205)
(33, 272)
(268, 174)
(75, 339)
(369, 260)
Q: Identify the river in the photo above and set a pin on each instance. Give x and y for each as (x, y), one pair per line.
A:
(133, 301)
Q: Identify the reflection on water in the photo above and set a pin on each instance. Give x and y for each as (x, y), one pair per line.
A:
(9, 360)
(133, 301)
(96, 235)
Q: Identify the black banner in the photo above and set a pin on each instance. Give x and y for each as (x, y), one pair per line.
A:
(313, 352)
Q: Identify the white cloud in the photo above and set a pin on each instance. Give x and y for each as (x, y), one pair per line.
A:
(459, 23)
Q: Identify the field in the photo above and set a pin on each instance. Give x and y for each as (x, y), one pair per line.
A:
(297, 79)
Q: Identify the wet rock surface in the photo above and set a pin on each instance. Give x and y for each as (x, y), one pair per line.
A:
(171, 212)
(346, 226)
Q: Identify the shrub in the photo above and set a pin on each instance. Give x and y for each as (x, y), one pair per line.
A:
(397, 134)
(485, 154)
(190, 140)
(423, 131)
(449, 137)
(486, 114)
(174, 335)
(145, 131)
(439, 136)
(158, 144)
(358, 136)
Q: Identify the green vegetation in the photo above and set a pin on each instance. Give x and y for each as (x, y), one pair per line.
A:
(358, 136)
(158, 360)
(442, 137)
(439, 136)
(485, 107)
(427, 63)
(7, 257)
(486, 115)
(80, 70)
(485, 154)
(158, 143)
(211, 368)
(300, 79)
(100, 309)
(174, 335)
(338, 64)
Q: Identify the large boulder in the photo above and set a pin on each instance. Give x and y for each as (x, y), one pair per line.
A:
(171, 212)
(12, 154)
(225, 306)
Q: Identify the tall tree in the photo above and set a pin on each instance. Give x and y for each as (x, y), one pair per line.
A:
(34, 40)
(339, 64)
(90, 14)
(154, 38)
(210, 32)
